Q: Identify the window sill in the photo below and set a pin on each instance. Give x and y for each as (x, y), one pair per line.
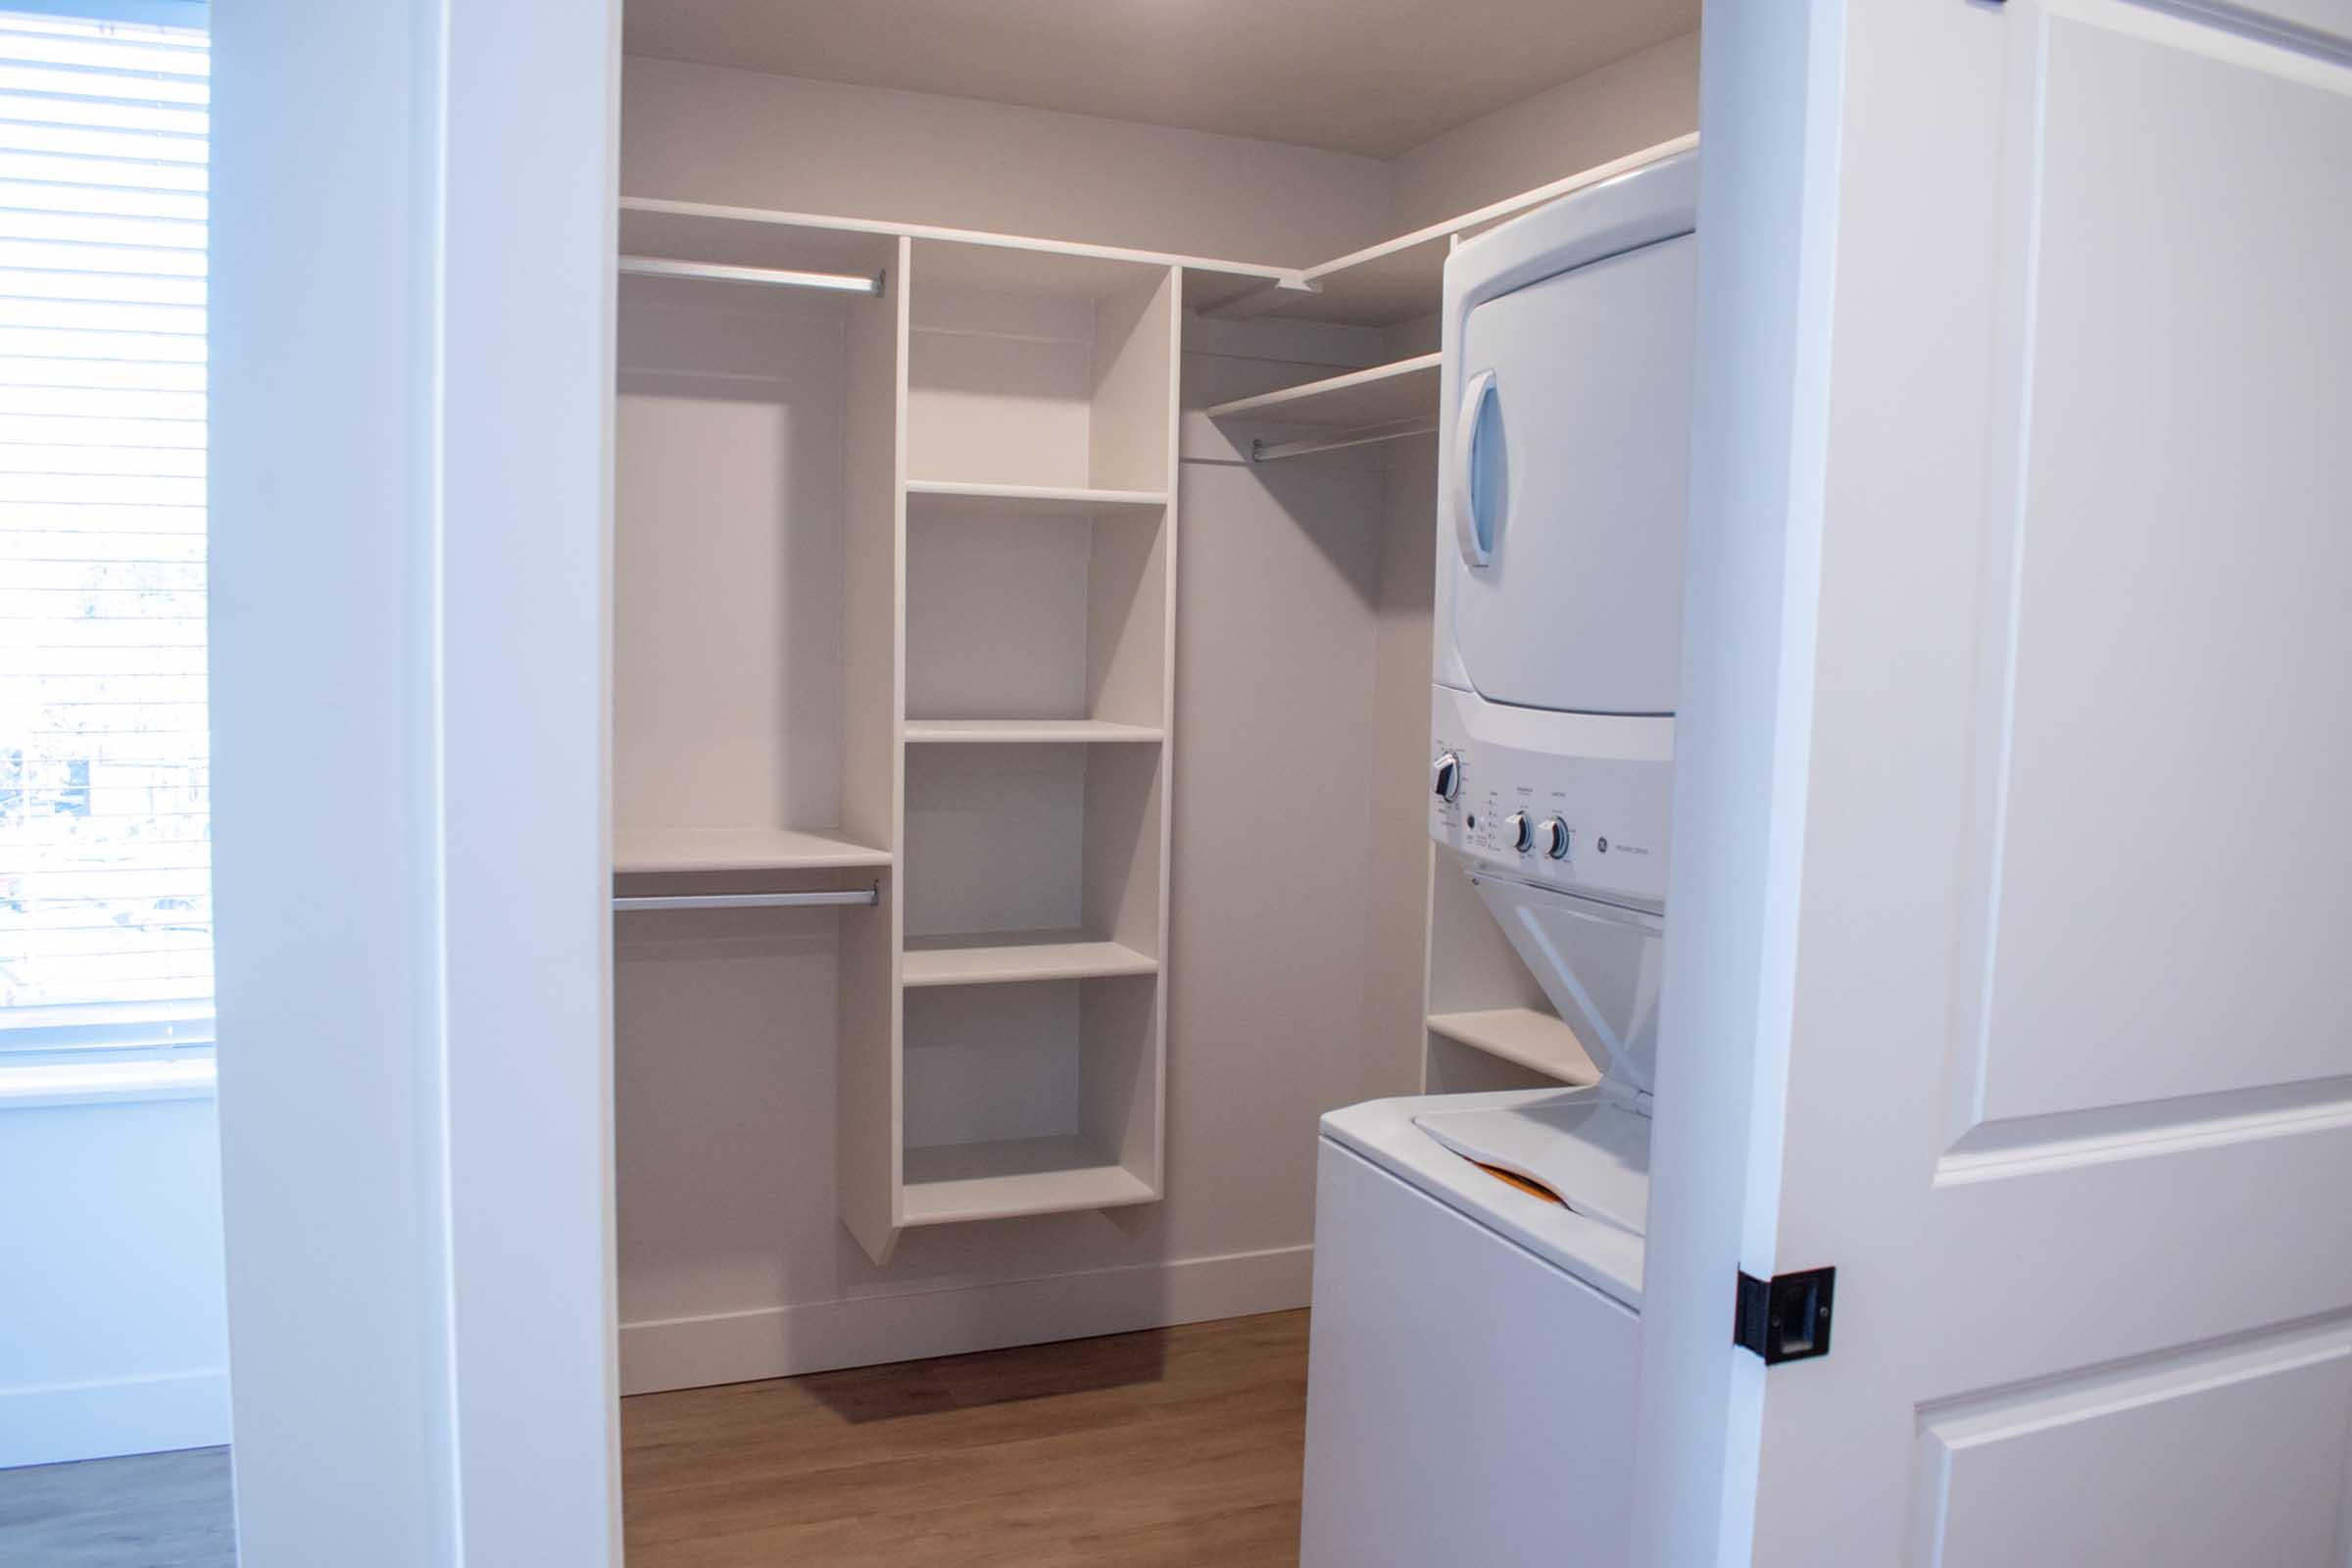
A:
(49, 1085)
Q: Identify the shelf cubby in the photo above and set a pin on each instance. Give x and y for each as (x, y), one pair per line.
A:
(1006, 842)
(1490, 1025)
(1036, 613)
(1031, 1098)
(1038, 370)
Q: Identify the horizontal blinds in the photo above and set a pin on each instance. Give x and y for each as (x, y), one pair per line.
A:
(105, 795)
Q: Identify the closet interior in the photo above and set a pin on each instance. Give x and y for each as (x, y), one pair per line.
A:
(1021, 690)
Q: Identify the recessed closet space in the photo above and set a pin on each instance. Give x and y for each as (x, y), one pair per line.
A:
(1024, 540)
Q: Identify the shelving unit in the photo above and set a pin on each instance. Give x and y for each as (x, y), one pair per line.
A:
(1038, 575)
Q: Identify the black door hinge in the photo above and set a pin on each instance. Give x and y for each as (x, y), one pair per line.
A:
(1785, 1318)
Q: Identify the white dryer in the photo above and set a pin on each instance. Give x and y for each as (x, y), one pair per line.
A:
(1474, 1342)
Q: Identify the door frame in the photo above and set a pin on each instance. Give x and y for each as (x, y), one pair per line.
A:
(411, 505)
(1769, 103)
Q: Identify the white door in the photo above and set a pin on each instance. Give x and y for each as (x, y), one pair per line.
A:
(2063, 811)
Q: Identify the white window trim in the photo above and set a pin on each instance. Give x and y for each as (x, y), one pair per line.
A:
(100, 1055)
(46, 1084)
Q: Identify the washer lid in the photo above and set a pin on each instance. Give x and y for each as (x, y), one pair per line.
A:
(1597, 962)
(1592, 1155)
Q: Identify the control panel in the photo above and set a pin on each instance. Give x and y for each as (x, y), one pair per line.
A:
(1574, 801)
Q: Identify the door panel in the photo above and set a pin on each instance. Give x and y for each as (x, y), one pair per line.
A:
(2068, 1088)
(1584, 457)
(2219, 1457)
(2171, 845)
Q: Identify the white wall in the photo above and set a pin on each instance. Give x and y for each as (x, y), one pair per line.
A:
(1621, 108)
(695, 133)
(113, 1337)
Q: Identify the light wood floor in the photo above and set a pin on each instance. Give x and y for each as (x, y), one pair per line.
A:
(151, 1510)
(1167, 1449)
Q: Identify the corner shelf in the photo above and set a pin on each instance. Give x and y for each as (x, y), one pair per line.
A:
(1026, 731)
(996, 958)
(1008, 1179)
(1399, 280)
(1386, 394)
(1531, 1038)
(642, 851)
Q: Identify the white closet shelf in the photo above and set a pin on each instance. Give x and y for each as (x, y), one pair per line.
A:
(1528, 1035)
(761, 237)
(997, 958)
(1026, 732)
(945, 497)
(1402, 279)
(754, 848)
(953, 1182)
(1386, 394)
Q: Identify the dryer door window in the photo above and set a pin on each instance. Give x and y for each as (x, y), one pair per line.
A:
(1568, 474)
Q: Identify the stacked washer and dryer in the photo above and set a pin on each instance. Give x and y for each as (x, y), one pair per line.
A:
(1479, 1257)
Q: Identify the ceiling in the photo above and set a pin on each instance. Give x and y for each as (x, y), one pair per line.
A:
(1370, 77)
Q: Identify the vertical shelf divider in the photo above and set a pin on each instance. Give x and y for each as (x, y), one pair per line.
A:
(870, 1086)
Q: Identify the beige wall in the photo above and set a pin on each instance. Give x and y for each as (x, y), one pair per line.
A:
(1619, 109)
(695, 133)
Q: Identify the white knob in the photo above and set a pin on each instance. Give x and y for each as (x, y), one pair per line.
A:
(1445, 776)
(1553, 835)
(1517, 832)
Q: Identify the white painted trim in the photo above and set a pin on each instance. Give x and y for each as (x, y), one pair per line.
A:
(58, 1423)
(688, 1353)
(47, 1085)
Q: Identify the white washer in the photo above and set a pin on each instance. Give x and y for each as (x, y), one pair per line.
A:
(1474, 1345)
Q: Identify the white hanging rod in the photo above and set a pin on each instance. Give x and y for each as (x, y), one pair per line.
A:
(1272, 451)
(771, 276)
(631, 904)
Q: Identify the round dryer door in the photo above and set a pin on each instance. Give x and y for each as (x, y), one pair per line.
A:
(1567, 472)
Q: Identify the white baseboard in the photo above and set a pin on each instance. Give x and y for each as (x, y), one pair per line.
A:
(688, 1353)
(98, 1420)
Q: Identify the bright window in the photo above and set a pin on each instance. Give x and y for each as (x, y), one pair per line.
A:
(106, 911)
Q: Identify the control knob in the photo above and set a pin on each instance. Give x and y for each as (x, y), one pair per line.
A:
(1517, 832)
(1445, 776)
(1553, 837)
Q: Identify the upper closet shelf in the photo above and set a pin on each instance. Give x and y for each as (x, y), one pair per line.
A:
(746, 237)
(685, 850)
(940, 498)
(1403, 278)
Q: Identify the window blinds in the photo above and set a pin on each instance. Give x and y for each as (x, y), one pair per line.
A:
(105, 853)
